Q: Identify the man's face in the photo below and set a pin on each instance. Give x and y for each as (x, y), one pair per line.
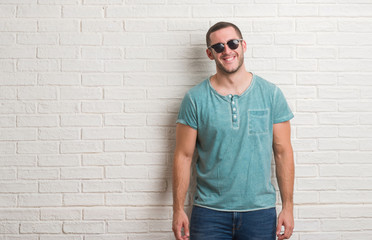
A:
(228, 61)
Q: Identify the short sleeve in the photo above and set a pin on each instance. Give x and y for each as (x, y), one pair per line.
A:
(187, 114)
(281, 110)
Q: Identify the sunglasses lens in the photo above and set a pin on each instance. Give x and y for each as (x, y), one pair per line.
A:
(233, 44)
(219, 47)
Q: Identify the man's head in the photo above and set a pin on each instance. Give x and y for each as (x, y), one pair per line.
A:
(219, 26)
(226, 47)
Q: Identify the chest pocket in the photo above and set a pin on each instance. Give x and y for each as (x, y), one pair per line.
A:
(258, 121)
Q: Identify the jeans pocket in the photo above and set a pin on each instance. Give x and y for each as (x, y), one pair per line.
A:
(258, 121)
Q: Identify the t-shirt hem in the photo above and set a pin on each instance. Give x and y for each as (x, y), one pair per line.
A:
(185, 123)
(232, 210)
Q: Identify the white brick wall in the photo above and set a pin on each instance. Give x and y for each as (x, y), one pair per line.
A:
(90, 89)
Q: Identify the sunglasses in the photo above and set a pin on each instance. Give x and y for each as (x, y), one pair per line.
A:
(220, 47)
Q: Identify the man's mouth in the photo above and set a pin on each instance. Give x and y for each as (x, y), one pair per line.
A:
(229, 58)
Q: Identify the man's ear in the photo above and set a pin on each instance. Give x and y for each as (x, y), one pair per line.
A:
(209, 54)
(244, 44)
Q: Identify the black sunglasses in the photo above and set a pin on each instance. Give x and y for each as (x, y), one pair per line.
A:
(220, 47)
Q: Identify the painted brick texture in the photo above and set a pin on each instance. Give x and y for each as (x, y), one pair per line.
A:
(90, 90)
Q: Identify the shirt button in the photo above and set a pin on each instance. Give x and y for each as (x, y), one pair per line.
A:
(233, 102)
(234, 116)
(234, 109)
(230, 96)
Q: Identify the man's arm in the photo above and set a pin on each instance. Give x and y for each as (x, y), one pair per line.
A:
(185, 146)
(283, 155)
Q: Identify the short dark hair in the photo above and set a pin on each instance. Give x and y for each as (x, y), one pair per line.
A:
(219, 26)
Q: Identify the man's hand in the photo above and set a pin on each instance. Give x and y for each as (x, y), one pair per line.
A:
(180, 220)
(285, 219)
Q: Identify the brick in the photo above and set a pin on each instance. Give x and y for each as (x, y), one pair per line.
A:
(103, 133)
(82, 173)
(145, 25)
(316, 79)
(102, 79)
(36, 65)
(102, 53)
(304, 145)
(57, 52)
(146, 107)
(338, 118)
(296, 65)
(36, 173)
(7, 148)
(82, 65)
(351, 52)
(139, 199)
(145, 133)
(306, 171)
(104, 213)
(321, 236)
(345, 10)
(60, 237)
(59, 79)
(124, 146)
(319, 184)
(345, 224)
(162, 39)
(8, 121)
(81, 120)
(82, 93)
(37, 93)
(9, 228)
(37, 121)
(17, 52)
(298, 10)
(317, 157)
(338, 144)
(59, 25)
(38, 11)
(124, 94)
(344, 39)
(257, 10)
(159, 213)
(127, 227)
(7, 39)
(355, 25)
(105, 159)
(40, 200)
(86, 199)
(15, 160)
(38, 147)
(306, 197)
(83, 39)
(295, 39)
(123, 39)
(126, 12)
(316, 132)
(319, 212)
(102, 26)
(157, 146)
(354, 184)
(312, 52)
(8, 201)
(366, 145)
(126, 172)
(338, 93)
(17, 134)
(59, 186)
(102, 107)
(125, 120)
(51, 107)
(356, 132)
(84, 227)
(146, 159)
(125, 66)
(34, 227)
(146, 186)
(37, 39)
(60, 214)
(316, 105)
(13, 214)
(102, 187)
(64, 160)
(272, 52)
(345, 170)
(187, 25)
(146, 53)
(316, 25)
(8, 65)
(213, 11)
(8, 174)
(18, 25)
(354, 157)
(7, 11)
(82, 12)
(170, 11)
(273, 26)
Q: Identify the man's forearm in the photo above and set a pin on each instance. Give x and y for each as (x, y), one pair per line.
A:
(181, 181)
(285, 177)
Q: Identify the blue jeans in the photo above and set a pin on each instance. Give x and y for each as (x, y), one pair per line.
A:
(207, 224)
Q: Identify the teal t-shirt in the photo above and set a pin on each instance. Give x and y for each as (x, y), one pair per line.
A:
(234, 144)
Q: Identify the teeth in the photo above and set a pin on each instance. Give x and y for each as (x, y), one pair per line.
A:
(229, 59)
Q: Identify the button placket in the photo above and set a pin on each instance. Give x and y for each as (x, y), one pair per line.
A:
(234, 111)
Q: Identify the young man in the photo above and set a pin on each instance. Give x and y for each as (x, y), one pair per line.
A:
(236, 120)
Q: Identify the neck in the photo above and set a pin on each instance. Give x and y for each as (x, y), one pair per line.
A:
(231, 83)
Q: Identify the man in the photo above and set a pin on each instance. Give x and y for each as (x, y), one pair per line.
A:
(236, 120)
